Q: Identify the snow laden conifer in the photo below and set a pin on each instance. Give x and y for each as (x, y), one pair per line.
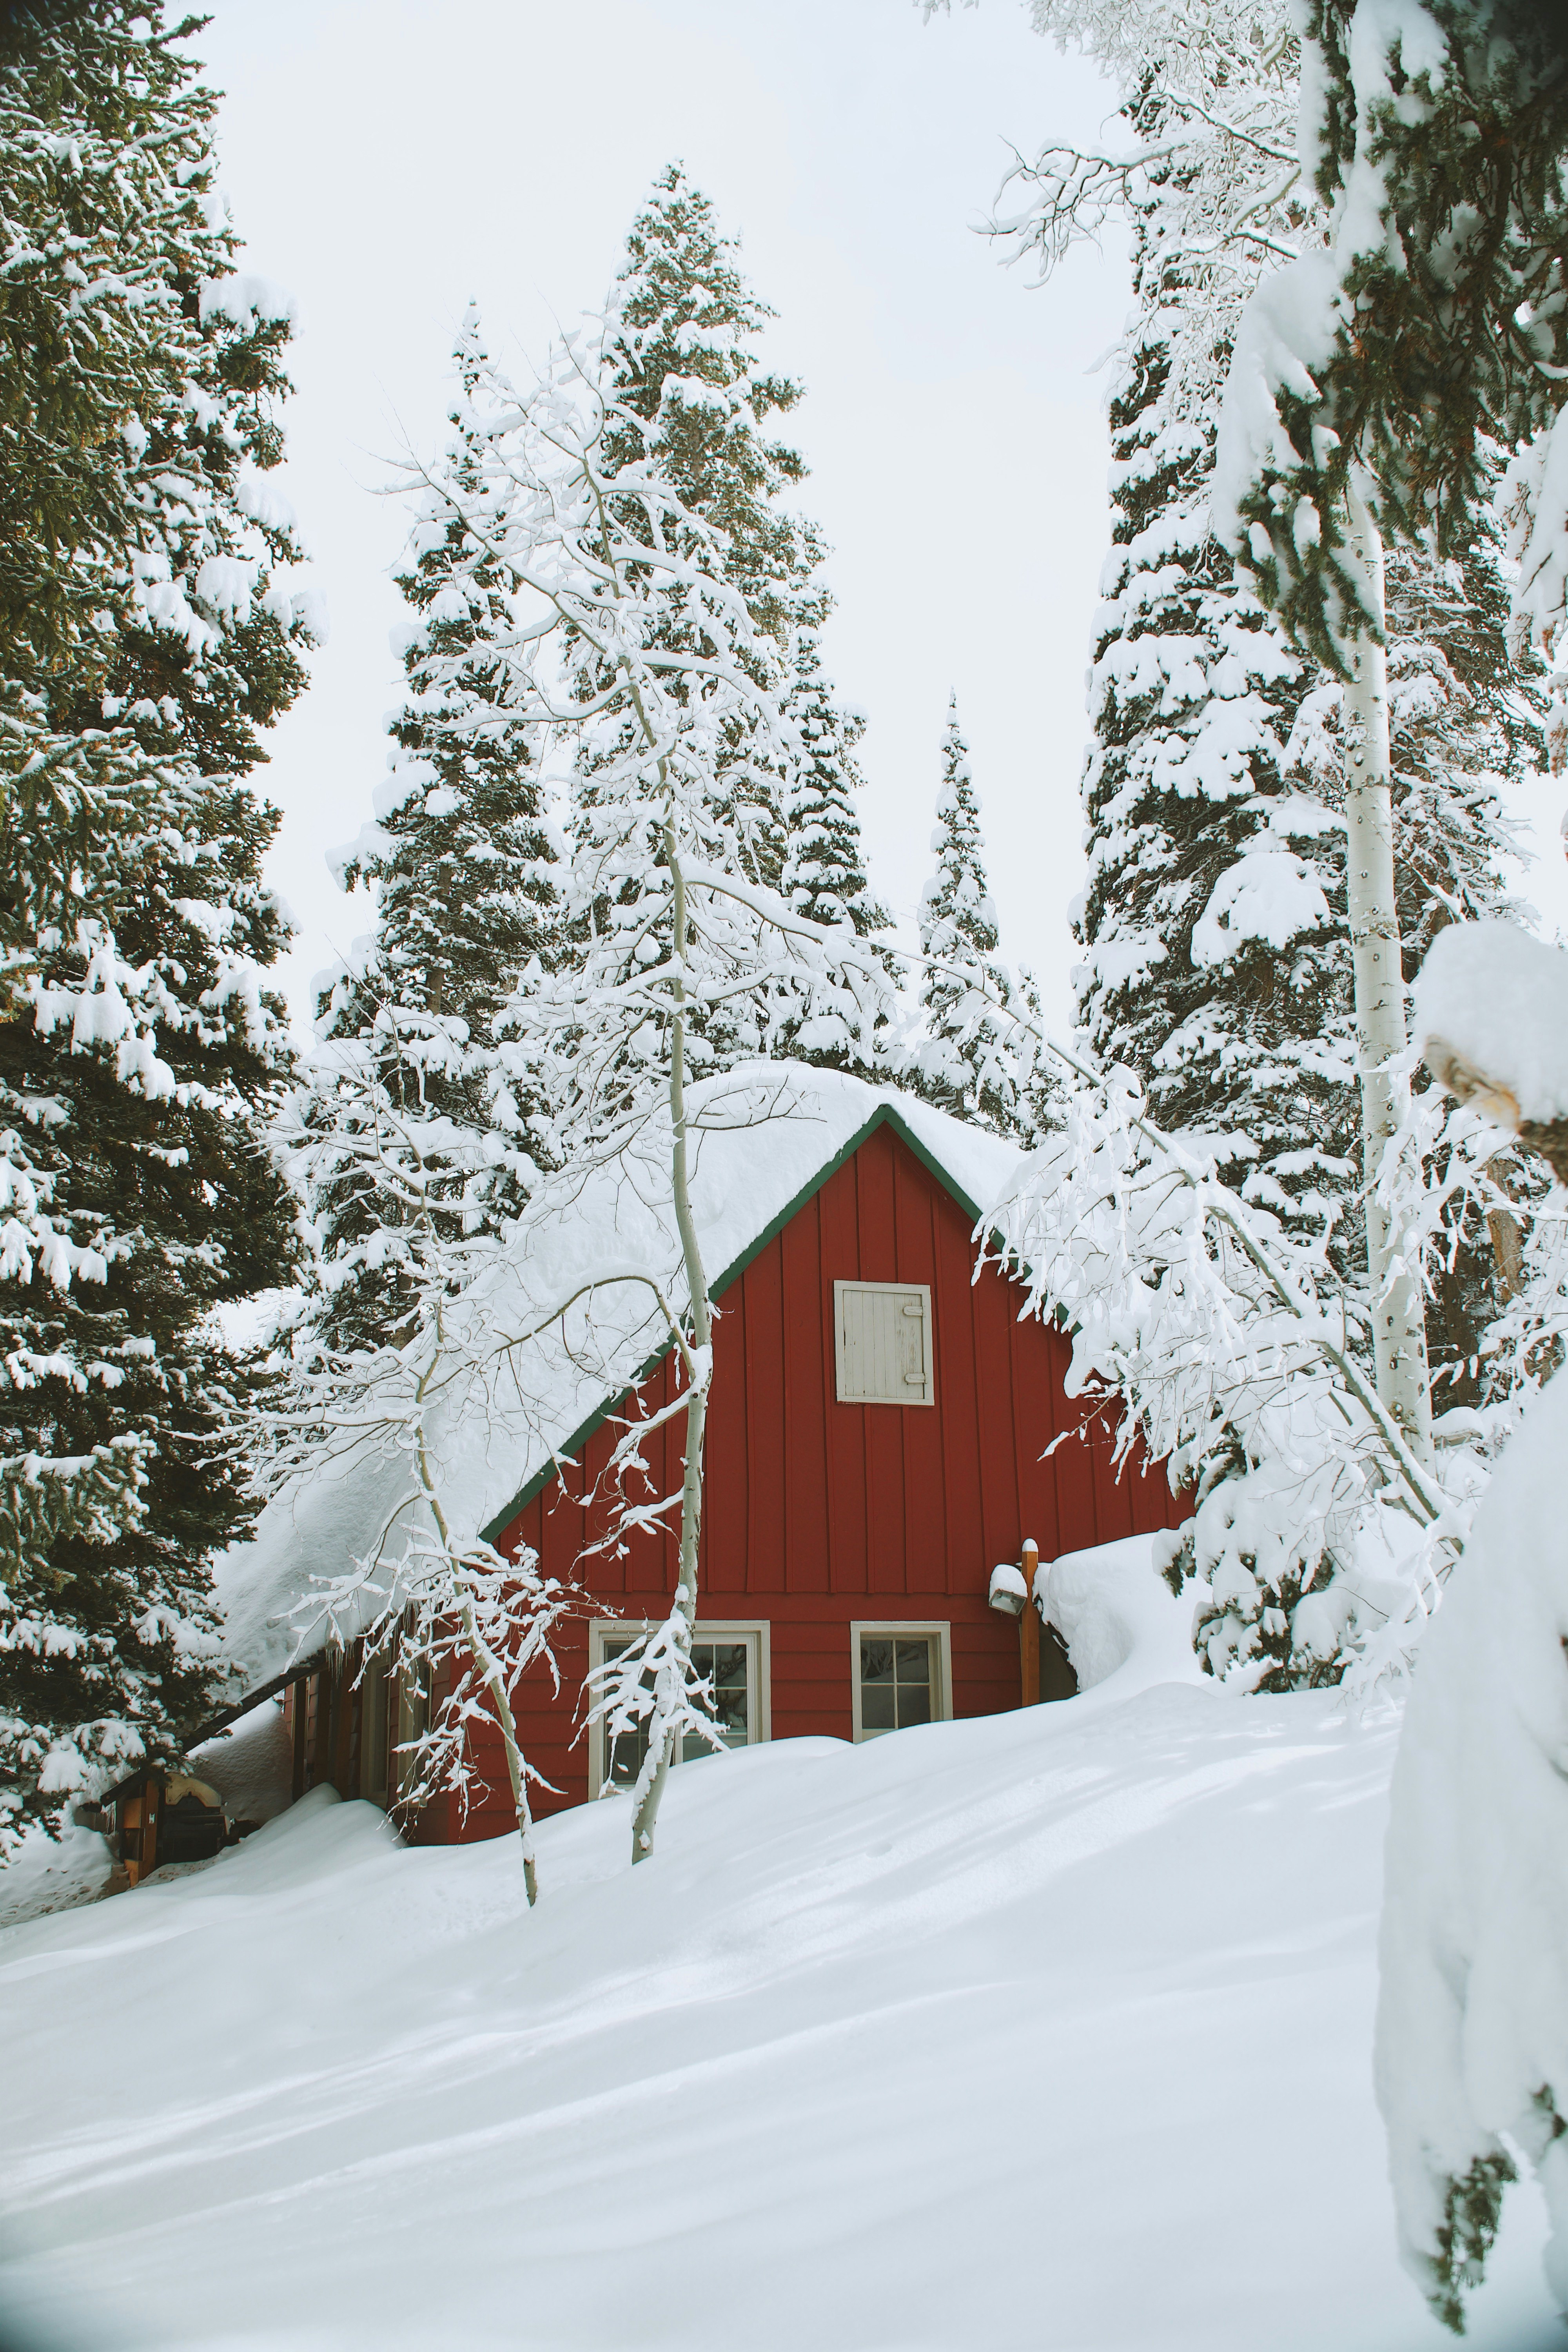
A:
(144, 642)
(823, 872)
(1212, 921)
(405, 1126)
(689, 379)
(970, 1062)
(643, 661)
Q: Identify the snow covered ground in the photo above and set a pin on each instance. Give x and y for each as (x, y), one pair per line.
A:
(1050, 2029)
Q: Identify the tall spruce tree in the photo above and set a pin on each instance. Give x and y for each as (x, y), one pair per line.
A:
(405, 1120)
(695, 397)
(968, 1064)
(823, 872)
(687, 367)
(143, 646)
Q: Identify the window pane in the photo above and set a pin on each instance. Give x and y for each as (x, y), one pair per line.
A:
(875, 1662)
(877, 1707)
(914, 1702)
(914, 1662)
(728, 1665)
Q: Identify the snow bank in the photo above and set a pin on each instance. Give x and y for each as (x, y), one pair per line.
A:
(1473, 2012)
(768, 1131)
(1043, 2030)
(45, 1876)
(1118, 1617)
(1501, 999)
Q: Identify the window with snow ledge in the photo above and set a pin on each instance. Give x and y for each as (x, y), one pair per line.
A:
(902, 1676)
(734, 1656)
(882, 1343)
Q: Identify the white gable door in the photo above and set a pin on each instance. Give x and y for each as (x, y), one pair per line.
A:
(883, 1343)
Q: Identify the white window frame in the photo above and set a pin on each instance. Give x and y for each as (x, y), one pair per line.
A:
(906, 1396)
(755, 1632)
(893, 1629)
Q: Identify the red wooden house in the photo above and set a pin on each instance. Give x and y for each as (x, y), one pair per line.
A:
(883, 1431)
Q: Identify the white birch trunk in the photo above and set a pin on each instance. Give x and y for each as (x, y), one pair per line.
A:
(1399, 1321)
(646, 1819)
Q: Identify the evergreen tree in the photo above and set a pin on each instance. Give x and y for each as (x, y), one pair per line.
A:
(685, 365)
(1216, 963)
(823, 867)
(688, 392)
(143, 646)
(695, 397)
(968, 1063)
(404, 1112)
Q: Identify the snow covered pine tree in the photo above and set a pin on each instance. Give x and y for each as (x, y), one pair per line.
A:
(405, 1126)
(969, 1063)
(141, 647)
(824, 875)
(687, 368)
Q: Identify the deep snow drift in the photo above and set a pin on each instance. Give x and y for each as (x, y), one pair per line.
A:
(1050, 2029)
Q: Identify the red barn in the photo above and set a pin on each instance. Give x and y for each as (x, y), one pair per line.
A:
(884, 1430)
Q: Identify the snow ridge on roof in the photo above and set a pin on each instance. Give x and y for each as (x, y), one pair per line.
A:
(768, 1133)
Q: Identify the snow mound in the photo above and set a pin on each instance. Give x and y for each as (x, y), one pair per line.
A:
(1501, 999)
(1472, 2022)
(45, 1876)
(965, 2040)
(1118, 1617)
(251, 1765)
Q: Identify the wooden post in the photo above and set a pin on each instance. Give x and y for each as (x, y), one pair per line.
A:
(152, 1802)
(1030, 1629)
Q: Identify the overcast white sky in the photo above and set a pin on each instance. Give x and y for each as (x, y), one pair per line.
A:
(387, 159)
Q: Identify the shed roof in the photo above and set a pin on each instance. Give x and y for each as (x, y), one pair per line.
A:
(770, 1135)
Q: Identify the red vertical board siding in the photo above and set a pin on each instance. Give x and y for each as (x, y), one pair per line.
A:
(849, 1538)
(807, 1552)
(763, 1312)
(818, 1513)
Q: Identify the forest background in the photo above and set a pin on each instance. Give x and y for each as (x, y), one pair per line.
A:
(953, 422)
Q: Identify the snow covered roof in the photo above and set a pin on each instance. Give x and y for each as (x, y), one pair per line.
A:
(770, 1136)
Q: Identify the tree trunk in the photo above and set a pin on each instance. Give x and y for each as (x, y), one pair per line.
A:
(1399, 1324)
(646, 1819)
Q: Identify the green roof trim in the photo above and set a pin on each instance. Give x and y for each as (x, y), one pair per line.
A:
(884, 1115)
